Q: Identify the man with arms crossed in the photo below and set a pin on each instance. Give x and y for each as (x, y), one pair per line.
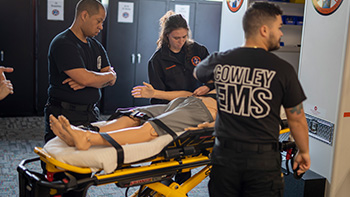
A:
(78, 68)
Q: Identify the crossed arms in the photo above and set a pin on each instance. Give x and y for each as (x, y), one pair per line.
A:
(80, 78)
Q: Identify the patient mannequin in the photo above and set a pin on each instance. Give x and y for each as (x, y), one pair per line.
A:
(128, 130)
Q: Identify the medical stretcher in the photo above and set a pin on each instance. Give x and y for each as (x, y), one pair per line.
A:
(188, 151)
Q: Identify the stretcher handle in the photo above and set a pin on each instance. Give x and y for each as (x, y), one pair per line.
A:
(286, 130)
(52, 161)
(58, 185)
(33, 177)
(24, 171)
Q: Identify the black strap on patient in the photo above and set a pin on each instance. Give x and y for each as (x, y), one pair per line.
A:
(119, 113)
(131, 113)
(163, 126)
(90, 127)
(120, 151)
(139, 115)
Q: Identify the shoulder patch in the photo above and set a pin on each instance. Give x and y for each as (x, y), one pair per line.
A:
(99, 62)
(195, 60)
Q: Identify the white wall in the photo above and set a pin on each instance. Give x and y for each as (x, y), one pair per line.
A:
(324, 74)
(231, 33)
(321, 68)
(341, 165)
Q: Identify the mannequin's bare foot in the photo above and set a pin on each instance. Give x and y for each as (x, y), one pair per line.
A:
(58, 130)
(80, 137)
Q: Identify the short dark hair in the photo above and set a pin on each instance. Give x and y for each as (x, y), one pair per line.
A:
(91, 6)
(258, 14)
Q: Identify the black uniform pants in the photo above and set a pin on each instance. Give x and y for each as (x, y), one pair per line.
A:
(242, 169)
(76, 114)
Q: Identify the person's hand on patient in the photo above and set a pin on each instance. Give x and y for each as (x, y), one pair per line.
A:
(201, 90)
(201, 126)
(145, 91)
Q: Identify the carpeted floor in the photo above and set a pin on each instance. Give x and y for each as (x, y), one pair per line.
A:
(18, 137)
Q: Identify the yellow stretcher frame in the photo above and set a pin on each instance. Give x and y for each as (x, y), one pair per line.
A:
(173, 190)
(149, 176)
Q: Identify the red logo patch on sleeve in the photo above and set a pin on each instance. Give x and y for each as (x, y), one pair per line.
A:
(195, 60)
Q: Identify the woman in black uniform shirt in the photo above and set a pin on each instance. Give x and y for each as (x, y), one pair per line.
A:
(171, 66)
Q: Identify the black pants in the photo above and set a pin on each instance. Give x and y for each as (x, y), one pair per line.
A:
(75, 117)
(245, 172)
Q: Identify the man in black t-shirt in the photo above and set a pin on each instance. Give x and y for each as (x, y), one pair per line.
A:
(78, 68)
(251, 85)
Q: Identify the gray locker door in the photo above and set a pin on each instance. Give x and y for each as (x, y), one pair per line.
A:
(204, 21)
(120, 46)
(207, 24)
(147, 36)
(17, 46)
(128, 58)
(192, 5)
(46, 31)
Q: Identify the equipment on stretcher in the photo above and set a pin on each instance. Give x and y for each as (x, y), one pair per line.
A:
(154, 174)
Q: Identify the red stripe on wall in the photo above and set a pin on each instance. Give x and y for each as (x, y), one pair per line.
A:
(347, 114)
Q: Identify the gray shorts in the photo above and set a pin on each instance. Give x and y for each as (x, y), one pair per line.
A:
(178, 114)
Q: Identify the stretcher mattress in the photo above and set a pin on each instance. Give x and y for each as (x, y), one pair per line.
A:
(102, 157)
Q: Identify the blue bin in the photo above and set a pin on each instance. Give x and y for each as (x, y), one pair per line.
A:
(299, 20)
(289, 20)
